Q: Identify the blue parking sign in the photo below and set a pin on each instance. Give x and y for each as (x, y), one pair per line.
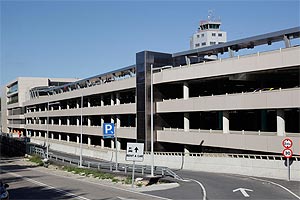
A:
(108, 130)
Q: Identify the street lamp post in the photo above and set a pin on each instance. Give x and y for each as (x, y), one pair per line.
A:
(152, 135)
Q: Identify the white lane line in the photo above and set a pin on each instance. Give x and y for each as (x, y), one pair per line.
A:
(48, 186)
(201, 185)
(108, 186)
(258, 179)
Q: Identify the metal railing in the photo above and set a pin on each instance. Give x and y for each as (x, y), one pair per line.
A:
(106, 165)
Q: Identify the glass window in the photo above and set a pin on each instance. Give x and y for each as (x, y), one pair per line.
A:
(212, 43)
(203, 43)
(213, 34)
(197, 36)
(202, 35)
(220, 34)
(197, 45)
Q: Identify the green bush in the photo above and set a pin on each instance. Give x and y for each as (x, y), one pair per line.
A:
(36, 159)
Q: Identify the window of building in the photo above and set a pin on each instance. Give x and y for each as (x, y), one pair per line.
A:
(220, 34)
(213, 34)
(197, 45)
(212, 43)
(198, 36)
(203, 43)
(202, 35)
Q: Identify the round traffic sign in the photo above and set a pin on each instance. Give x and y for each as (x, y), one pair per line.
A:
(287, 143)
(287, 153)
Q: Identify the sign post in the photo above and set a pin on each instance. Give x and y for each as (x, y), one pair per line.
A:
(134, 152)
(109, 132)
(287, 143)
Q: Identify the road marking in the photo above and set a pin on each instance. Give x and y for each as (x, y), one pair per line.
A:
(47, 186)
(243, 191)
(277, 185)
(122, 198)
(201, 185)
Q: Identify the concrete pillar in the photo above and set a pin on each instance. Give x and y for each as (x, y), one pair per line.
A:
(186, 151)
(78, 121)
(77, 104)
(34, 133)
(78, 139)
(68, 106)
(118, 145)
(59, 137)
(186, 92)
(52, 121)
(88, 102)
(102, 143)
(40, 134)
(118, 122)
(59, 107)
(59, 122)
(280, 123)
(112, 119)
(102, 120)
(89, 121)
(186, 121)
(52, 136)
(112, 102)
(68, 138)
(112, 143)
(102, 101)
(68, 121)
(89, 141)
(225, 122)
(118, 98)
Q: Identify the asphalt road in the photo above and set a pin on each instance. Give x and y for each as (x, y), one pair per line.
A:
(30, 182)
(40, 183)
(222, 186)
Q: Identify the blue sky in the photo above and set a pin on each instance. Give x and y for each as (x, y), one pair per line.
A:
(85, 38)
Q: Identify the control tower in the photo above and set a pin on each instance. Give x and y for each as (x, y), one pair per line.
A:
(209, 33)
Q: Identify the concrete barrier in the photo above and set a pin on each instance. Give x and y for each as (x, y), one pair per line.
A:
(198, 162)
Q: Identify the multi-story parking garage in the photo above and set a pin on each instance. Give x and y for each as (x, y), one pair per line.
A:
(234, 103)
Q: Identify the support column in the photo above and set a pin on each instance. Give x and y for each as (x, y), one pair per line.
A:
(225, 121)
(59, 137)
(102, 101)
(280, 123)
(78, 122)
(112, 102)
(186, 122)
(52, 121)
(68, 121)
(52, 136)
(89, 141)
(59, 121)
(118, 145)
(68, 138)
(40, 134)
(78, 139)
(89, 121)
(118, 98)
(102, 120)
(88, 102)
(112, 144)
(118, 122)
(34, 133)
(68, 106)
(102, 143)
(77, 104)
(186, 92)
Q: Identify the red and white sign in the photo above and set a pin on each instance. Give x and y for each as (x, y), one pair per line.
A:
(287, 153)
(287, 143)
